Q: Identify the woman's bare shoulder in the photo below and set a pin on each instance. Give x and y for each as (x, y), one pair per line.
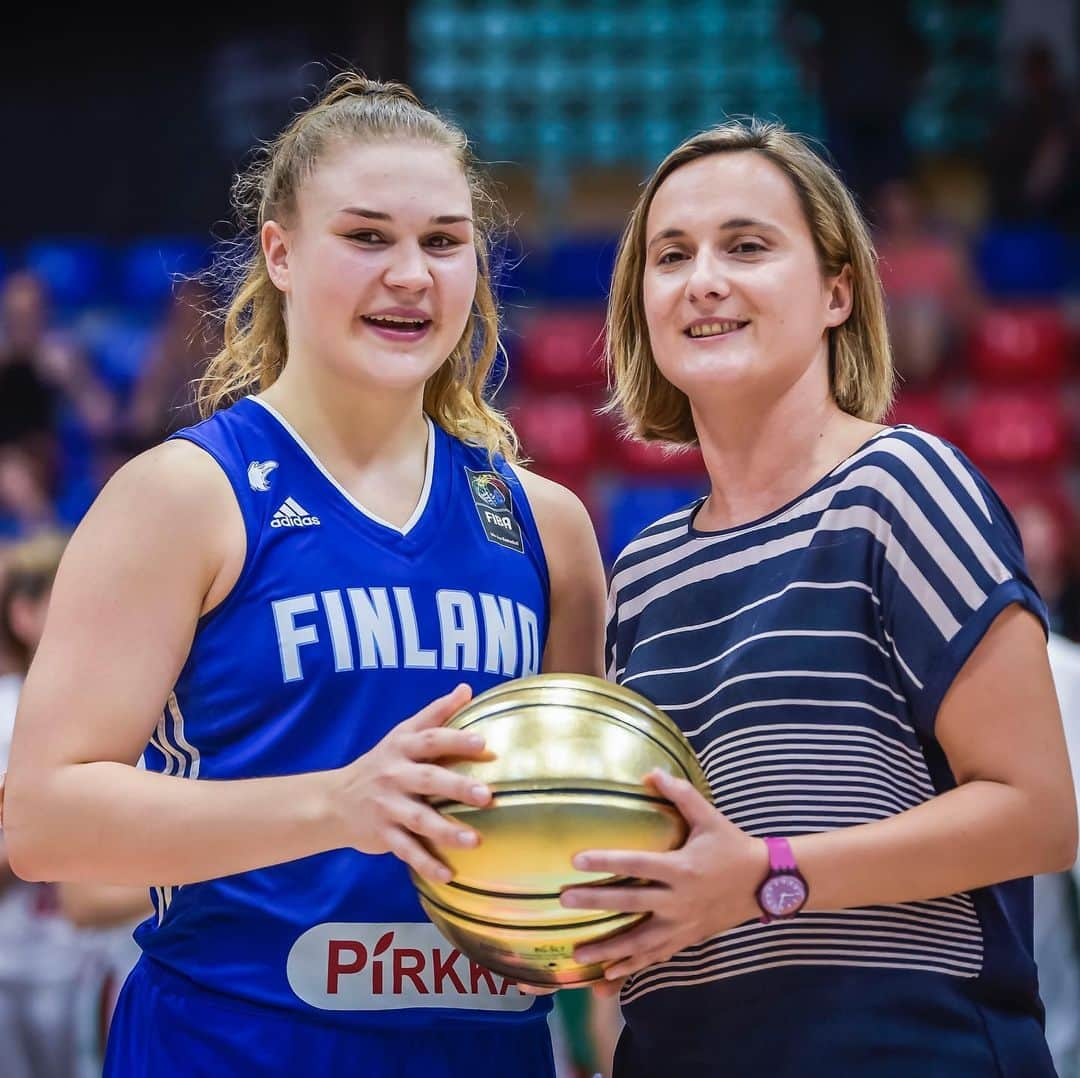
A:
(167, 507)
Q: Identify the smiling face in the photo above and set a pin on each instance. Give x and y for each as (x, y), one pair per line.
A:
(377, 263)
(734, 298)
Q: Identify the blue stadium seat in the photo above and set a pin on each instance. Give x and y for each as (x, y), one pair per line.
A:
(515, 272)
(1023, 262)
(76, 271)
(74, 498)
(9, 527)
(578, 268)
(119, 347)
(1074, 263)
(149, 268)
(634, 507)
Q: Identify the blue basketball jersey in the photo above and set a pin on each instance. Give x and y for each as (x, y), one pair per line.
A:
(340, 626)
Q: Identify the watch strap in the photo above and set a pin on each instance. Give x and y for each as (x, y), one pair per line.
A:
(781, 858)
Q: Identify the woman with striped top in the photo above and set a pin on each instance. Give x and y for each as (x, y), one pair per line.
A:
(845, 630)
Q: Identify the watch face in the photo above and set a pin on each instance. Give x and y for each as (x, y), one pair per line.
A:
(783, 895)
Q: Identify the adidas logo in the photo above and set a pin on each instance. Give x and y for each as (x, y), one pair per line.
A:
(291, 514)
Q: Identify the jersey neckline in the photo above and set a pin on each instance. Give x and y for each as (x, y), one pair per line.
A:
(425, 491)
(695, 507)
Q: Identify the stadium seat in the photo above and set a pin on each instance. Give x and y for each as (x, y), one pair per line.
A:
(577, 269)
(76, 271)
(584, 484)
(1045, 518)
(1020, 344)
(149, 268)
(636, 506)
(636, 458)
(563, 350)
(74, 498)
(1021, 487)
(557, 431)
(1014, 428)
(926, 410)
(119, 347)
(514, 271)
(1022, 261)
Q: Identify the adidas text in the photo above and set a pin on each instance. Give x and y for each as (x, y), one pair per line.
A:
(291, 514)
(294, 522)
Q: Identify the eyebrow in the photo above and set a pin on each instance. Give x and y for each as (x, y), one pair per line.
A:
(378, 215)
(730, 224)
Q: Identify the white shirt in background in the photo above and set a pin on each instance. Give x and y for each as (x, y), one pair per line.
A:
(1057, 933)
(37, 945)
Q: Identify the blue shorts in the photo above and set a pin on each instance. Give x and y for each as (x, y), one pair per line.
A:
(165, 1026)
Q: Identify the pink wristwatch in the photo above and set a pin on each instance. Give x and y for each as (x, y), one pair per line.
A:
(784, 891)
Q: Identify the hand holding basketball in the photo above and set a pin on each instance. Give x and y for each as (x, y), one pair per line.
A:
(380, 798)
(705, 887)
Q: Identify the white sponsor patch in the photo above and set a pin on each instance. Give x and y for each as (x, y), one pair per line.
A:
(344, 966)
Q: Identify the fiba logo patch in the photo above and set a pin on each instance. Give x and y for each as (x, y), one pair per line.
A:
(495, 506)
(491, 490)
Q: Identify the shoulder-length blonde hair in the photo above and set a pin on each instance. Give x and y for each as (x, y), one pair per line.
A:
(860, 359)
(255, 348)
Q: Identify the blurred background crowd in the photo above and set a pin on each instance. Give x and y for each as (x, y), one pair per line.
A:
(956, 122)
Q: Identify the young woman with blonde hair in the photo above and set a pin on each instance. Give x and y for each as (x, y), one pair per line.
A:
(287, 601)
(845, 630)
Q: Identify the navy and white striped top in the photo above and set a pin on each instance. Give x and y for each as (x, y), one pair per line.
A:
(805, 656)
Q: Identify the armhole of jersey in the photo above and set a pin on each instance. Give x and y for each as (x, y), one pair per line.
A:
(539, 553)
(250, 531)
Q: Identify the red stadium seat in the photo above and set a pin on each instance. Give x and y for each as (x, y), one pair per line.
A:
(1020, 344)
(559, 431)
(1045, 518)
(1020, 488)
(926, 410)
(637, 459)
(581, 482)
(1014, 428)
(563, 350)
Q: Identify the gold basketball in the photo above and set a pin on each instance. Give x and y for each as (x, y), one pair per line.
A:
(569, 753)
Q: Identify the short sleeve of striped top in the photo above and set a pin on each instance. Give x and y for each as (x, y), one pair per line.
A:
(949, 561)
(929, 541)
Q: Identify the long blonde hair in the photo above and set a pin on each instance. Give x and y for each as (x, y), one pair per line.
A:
(860, 358)
(255, 340)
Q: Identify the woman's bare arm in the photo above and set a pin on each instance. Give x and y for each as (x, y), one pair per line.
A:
(1013, 812)
(103, 905)
(161, 545)
(578, 589)
(121, 620)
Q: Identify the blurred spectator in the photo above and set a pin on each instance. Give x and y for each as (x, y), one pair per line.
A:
(106, 916)
(584, 1030)
(41, 371)
(866, 61)
(1069, 601)
(930, 290)
(1057, 928)
(1042, 508)
(163, 399)
(605, 1025)
(1034, 151)
(42, 961)
(1044, 551)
